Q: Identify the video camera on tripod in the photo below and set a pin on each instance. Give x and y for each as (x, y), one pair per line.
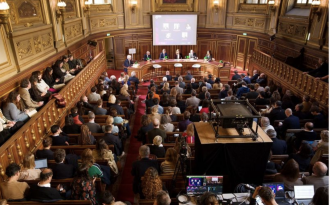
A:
(183, 146)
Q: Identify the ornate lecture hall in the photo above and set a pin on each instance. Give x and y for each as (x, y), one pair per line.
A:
(159, 102)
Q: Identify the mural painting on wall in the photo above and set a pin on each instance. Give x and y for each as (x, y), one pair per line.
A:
(174, 1)
(27, 10)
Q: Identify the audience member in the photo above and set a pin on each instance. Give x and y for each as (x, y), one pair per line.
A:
(265, 124)
(102, 152)
(26, 97)
(35, 94)
(14, 109)
(157, 147)
(55, 84)
(149, 101)
(175, 109)
(180, 103)
(193, 100)
(188, 76)
(217, 84)
(277, 113)
(109, 121)
(206, 84)
(303, 156)
(193, 83)
(254, 76)
(92, 126)
(210, 80)
(242, 90)
(188, 89)
(134, 79)
(307, 134)
(205, 107)
(319, 178)
(162, 198)
(59, 138)
(70, 127)
(271, 167)
(321, 70)
(322, 147)
(159, 107)
(146, 126)
(261, 99)
(98, 110)
(318, 120)
(165, 124)
(83, 185)
(183, 124)
(168, 166)
(289, 175)
(306, 104)
(208, 198)
(236, 75)
(298, 111)
(261, 79)
(201, 95)
(321, 196)
(266, 195)
(139, 167)
(151, 184)
(279, 147)
(291, 122)
(28, 171)
(111, 97)
(168, 76)
(111, 139)
(224, 91)
(60, 169)
(155, 131)
(259, 88)
(86, 137)
(94, 96)
(178, 88)
(165, 88)
(87, 159)
(169, 113)
(246, 78)
(45, 152)
(154, 113)
(60, 73)
(194, 117)
(43, 192)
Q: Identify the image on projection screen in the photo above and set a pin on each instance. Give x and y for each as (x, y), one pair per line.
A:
(174, 29)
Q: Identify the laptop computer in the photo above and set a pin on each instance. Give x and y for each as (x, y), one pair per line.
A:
(41, 163)
(278, 189)
(304, 194)
(197, 185)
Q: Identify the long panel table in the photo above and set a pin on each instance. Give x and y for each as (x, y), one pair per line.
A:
(144, 69)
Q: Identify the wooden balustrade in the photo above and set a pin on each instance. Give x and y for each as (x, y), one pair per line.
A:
(290, 78)
(30, 136)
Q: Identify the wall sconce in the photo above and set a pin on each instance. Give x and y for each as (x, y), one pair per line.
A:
(271, 4)
(133, 6)
(87, 6)
(216, 6)
(316, 9)
(4, 17)
(60, 10)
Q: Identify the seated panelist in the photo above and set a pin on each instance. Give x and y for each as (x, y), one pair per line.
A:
(128, 62)
(147, 56)
(163, 54)
(178, 55)
(192, 54)
(208, 56)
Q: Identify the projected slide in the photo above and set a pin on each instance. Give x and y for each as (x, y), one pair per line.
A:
(174, 29)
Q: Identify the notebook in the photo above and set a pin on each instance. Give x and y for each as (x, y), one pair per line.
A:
(304, 194)
(197, 185)
(278, 189)
(41, 163)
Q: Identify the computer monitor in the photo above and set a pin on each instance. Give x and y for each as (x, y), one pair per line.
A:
(197, 185)
(41, 163)
(278, 188)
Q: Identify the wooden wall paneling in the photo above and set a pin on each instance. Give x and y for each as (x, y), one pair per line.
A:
(241, 50)
(252, 44)
(119, 48)
(143, 47)
(224, 51)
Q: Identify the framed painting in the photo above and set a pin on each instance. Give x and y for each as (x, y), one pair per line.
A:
(174, 5)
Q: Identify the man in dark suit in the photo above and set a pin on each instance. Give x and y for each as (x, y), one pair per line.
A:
(147, 56)
(43, 191)
(291, 122)
(236, 75)
(118, 107)
(149, 102)
(318, 120)
(139, 167)
(163, 54)
(188, 76)
(61, 170)
(298, 111)
(261, 80)
(93, 127)
(134, 79)
(59, 138)
(155, 131)
(261, 99)
(307, 134)
(254, 77)
(45, 152)
(85, 104)
(242, 90)
(111, 139)
(279, 146)
(128, 62)
(252, 94)
(168, 76)
(224, 91)
(194, 85)
(98, 110)
(320, 71)
(277, 113)
(192, 54)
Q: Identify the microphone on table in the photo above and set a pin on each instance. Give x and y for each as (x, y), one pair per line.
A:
(248, 186)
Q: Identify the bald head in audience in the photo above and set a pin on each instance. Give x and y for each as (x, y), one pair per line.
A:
(271, 133)
(156, 123)
(309, 126)
(288, 112)
(320, 169)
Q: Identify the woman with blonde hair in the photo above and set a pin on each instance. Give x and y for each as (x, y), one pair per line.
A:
(154, 113)
(166, 88)
(102, 152)
(157, 147)
(151, 184)
(28, 172)
(171, 157)
(85, 137)
(322, 147)
(109, 121)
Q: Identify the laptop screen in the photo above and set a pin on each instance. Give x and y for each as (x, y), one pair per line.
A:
(41, 163)
(278, 188)
(304, 192)
(200, 184)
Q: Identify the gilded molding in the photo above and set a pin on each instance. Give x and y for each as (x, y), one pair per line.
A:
(24, 48)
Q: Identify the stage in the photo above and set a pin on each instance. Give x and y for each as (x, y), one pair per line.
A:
(242, 159)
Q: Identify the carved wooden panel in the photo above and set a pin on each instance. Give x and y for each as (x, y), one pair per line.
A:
(23, 12)
(224, 51)
(73, 32)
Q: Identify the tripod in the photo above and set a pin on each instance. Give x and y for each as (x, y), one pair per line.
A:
(181, 163)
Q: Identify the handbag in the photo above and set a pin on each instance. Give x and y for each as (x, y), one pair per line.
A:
(60, 100)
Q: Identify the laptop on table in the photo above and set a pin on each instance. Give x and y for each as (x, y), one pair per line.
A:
(304, 194)
(278, 189)
(41, 163)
